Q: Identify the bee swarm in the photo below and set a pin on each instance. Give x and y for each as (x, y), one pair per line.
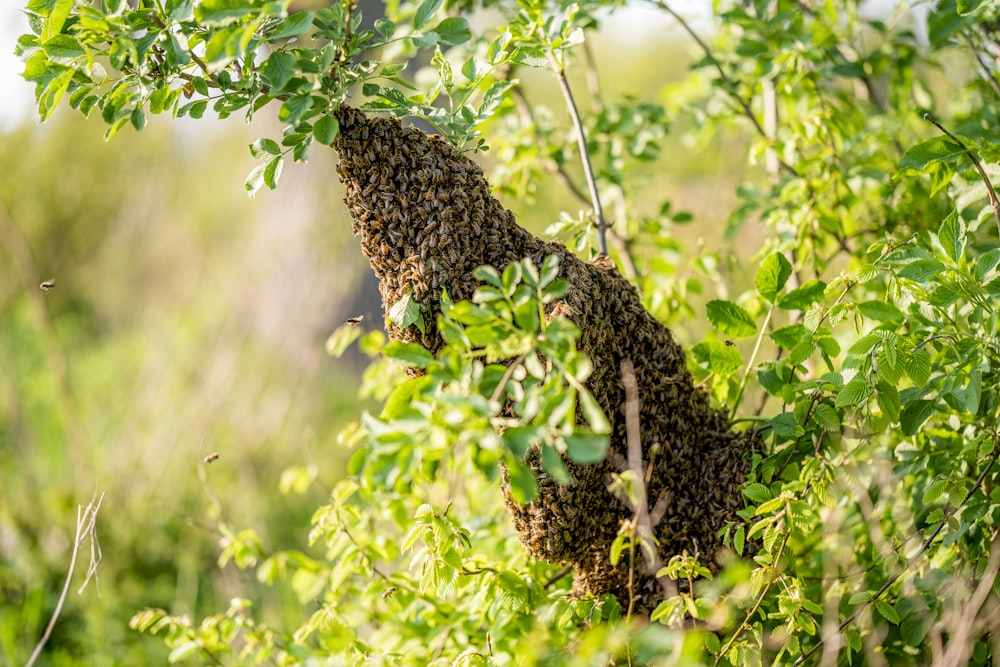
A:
(426, 219)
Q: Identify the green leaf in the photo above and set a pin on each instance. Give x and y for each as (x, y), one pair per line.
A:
(553, 464)
(918, 366)
(183, 651)
(405, 312)
(296, 24)
(757, 492)
(914, 414)
(63, 49)
(986, 263)
(789, 336)
(772, 276)
(326, 130)
(881, 311)
(411, 354)
(519, 439)
(730, 319)
(424, 13)
(934, 491)
(277, 71)
(973, 391)
(887, 397)
(804, 296)
(294, 108)
(586, 448)
(853, 393)
(453, 30)
(272, 172)
(720, 358)
(223, 12)
(952, 236)
(921, 270)
(887, 611)
(265, 149)
(930, 151)
(592, 412)
(341, 338)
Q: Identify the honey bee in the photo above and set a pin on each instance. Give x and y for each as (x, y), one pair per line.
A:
(355, 321)
(388, 592)
(214, 456)
(47, 285)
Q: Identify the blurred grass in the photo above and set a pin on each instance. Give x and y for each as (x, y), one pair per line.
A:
(186, 319)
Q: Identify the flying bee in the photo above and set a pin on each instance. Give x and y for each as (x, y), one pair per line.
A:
(388, 592)
(355, 321)
(214, 456)
(47, 285)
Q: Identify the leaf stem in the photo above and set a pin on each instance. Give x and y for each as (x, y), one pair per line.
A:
(86, 524)
(994, 201)
(750, 362)
(581, 139)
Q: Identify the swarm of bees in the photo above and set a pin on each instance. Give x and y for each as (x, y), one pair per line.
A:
(426, 220)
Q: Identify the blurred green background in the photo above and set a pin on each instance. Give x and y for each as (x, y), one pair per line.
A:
(187, 319)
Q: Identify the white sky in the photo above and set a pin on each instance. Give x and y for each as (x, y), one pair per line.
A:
(16, 94)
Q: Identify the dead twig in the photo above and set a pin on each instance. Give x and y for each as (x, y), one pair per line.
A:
(86, 527)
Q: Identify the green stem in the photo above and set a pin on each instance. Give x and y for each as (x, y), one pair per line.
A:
(750, 363)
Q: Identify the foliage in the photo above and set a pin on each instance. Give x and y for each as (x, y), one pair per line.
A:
(866, 349)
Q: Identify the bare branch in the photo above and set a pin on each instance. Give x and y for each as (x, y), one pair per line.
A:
(86, 525)
(994, 201)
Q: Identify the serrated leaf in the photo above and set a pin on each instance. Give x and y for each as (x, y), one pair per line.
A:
(921, 270)
(918, 366)
(772, 276)
(826, 417)
(730, 318)
(757, 492)
(914, 414)
(721, 359)
(789, 336)
(804, 296)
(853, 393)
(986, 263)
(64, 49)
(881, 311)
(927, 152)
(951, 234)
(887, 397)
(934, 491)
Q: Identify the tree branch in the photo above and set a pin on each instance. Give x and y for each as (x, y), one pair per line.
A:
(581, 139)
(730, 86)
(994, 84)
(994, 201)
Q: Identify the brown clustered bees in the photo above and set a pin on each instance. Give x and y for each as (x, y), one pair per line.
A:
(426, 220)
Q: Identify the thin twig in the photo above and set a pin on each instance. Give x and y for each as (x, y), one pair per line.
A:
(562, 572)
(957, 653)
(86, 525)
(647, 537)
(913, 559)
(581, 139)
(729, 84)
(994, 84)
(994, 201)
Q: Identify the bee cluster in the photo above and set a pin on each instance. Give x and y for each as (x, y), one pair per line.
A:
(426, 220)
